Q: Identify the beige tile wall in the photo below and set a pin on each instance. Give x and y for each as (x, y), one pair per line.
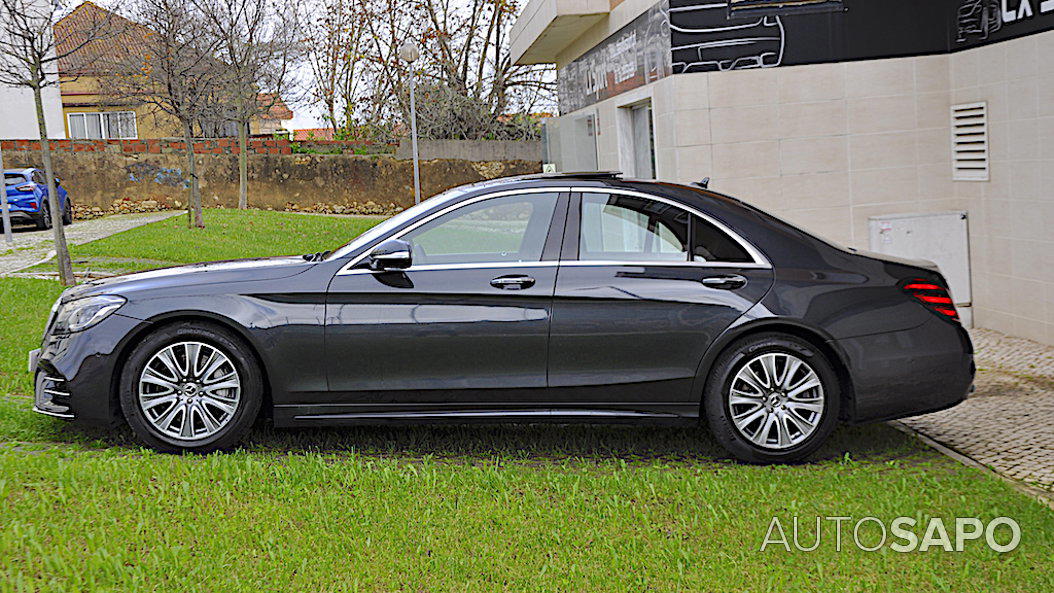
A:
(1012, 215)
(828, 146)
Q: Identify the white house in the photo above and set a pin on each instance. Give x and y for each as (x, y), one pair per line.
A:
(18, 115)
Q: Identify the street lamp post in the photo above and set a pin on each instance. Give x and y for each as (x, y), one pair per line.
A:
(409, 53)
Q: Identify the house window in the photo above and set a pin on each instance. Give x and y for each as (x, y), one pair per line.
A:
(105, 125)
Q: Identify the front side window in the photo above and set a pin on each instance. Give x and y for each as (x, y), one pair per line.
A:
(630, 228)
(496, 230)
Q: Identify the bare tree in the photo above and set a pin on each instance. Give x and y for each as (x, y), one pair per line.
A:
(30, 49)
(174, 69)
(257, 42)
(469, 84)
(335, 60)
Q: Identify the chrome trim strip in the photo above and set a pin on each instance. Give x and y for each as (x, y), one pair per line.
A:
(759, 259)
(57, 392)
(466, 266)
(660, 263)
(65, 416)
(487, 414)
(348, 267)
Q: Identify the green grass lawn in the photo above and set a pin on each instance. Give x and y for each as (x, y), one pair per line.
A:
(463, 508)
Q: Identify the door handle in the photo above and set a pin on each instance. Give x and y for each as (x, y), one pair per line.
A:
(727, 282)
(512, 282)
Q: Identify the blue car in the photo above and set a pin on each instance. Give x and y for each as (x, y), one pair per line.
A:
(27, 197)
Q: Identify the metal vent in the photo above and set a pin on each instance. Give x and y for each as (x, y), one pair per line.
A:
(970, 142)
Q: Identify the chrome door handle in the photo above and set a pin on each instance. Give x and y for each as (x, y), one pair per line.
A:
(512, 282)
(727, 282)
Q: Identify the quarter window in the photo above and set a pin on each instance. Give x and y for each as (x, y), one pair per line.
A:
(630, 228)
(497, 230)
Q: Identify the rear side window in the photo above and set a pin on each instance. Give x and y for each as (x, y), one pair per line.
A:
(630, 228)
(13, 178)
(710, 243)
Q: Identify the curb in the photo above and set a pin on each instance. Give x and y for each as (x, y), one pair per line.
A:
(1038, 494)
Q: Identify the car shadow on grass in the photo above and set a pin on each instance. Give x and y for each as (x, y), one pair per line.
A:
(531, 444)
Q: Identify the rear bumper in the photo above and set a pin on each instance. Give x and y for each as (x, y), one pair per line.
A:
(909, 372)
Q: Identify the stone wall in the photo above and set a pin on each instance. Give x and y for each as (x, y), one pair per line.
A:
(473, 150)
(97, 172)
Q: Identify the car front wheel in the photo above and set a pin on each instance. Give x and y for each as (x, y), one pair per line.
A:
(191, 387)
(772, 398)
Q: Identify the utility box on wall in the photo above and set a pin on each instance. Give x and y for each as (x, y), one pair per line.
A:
(942, 238)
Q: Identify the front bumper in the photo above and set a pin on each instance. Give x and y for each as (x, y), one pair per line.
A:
(74, 374)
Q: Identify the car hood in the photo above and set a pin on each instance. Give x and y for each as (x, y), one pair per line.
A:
(235, 270)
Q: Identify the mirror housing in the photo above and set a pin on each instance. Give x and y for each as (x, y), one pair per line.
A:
(393, 254)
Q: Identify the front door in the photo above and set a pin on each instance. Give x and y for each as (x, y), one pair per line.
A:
(465, 326)
(644, 288)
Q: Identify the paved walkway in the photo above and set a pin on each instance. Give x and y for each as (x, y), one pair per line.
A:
(32, 245)
(1008, 423)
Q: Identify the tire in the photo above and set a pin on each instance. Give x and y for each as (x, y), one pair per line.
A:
(67, 213)
(779, 431)
(147, 404)
(44, 222)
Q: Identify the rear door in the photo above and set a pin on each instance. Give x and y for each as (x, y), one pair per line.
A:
(644, 287)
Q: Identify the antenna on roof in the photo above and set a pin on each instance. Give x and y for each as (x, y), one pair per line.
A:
(704, 183)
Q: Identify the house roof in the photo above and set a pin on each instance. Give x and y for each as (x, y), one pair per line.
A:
(313, 134)
(276, 107)
(117, 38)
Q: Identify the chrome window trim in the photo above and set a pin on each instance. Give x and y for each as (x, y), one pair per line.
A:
(760, 261)
(348, 268)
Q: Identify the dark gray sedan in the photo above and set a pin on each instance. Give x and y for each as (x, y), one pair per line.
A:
(552, 298)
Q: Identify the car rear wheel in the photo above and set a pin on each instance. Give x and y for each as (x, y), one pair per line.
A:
(191, 387)
(772, 398)
(67, 213)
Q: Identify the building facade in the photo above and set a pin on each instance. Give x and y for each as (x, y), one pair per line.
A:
(875, 123)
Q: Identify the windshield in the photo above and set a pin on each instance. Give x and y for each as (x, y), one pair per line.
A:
(13, 178)
(396, 221)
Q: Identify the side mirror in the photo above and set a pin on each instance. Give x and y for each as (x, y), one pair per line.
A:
(58, 182)
(393, 254)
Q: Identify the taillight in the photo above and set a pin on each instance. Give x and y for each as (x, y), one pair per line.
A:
(934, 296)
(28, 187)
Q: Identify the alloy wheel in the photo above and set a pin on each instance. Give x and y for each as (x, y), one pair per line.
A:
(776, 400)
(189, 390)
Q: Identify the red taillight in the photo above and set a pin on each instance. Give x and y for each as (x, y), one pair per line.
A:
(934, 296)
(27, 187)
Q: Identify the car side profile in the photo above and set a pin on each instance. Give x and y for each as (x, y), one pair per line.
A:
(544, 298)
(28, 201)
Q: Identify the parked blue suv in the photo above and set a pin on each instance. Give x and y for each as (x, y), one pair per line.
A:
(27, 196)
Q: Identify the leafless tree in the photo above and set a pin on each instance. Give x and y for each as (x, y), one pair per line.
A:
(258, 43)
(29, 52)
(469, 84)
(336, 39)
(173, 68)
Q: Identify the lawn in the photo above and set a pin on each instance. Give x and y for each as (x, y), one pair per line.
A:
(471, 508)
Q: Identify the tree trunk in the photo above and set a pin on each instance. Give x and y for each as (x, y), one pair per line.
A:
(243, 166)
(194, 218)
(62, 252)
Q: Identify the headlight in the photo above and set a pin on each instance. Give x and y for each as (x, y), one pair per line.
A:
(81, 314)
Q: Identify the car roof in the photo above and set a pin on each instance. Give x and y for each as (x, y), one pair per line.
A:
(25, 171)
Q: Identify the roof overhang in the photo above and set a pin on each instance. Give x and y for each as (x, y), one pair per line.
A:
(547, 27)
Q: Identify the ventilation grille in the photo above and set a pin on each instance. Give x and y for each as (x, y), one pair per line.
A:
(970, 142)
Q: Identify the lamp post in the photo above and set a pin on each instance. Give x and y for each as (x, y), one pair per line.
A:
(409, 52)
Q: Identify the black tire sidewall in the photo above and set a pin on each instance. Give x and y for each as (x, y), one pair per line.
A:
(715, 399)
(45, 217)
(229, 344)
